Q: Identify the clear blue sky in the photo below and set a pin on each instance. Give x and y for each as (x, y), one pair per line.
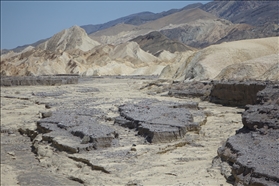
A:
(25, 22)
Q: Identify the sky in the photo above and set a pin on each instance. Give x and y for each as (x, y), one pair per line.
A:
(25, 22)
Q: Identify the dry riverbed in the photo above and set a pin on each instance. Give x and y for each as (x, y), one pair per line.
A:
(133, 161)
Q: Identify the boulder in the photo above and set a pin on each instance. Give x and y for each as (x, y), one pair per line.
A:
(74, 130)
(158, 121)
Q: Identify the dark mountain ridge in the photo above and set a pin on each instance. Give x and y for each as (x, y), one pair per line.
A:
(136, 19)
(155, 43)
(256, 13)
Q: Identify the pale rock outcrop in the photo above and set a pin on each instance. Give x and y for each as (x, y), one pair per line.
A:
(272, 73)
(132, 50)
(260, 68)
(68, 39)
(209, 62)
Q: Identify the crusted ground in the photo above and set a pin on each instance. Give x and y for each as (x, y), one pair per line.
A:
(132, 160)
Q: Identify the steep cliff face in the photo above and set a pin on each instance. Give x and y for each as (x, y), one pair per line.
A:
(235, 93)
(253, 151)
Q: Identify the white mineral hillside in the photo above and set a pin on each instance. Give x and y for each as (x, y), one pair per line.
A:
(132, 50)
(68, 39)
(272, 73)
(12, 53)
(123, 59)
(209, 62)
(261, 68)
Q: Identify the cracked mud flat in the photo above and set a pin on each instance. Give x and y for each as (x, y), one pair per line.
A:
(130, 160)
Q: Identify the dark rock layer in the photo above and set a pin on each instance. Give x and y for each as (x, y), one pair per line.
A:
(155, 42)
(75, 130)
(253, 152)
(39, 80)
(191, 89)
(159, 121)
(235, 93)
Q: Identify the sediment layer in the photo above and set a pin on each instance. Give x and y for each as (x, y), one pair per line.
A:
(253, 151)
(39, 80)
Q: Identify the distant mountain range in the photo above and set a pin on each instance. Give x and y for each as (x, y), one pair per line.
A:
(180, 41)
(256, 13)
(262, 16)
(136, 19)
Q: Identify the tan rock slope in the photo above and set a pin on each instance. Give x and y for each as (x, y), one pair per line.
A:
(121, 60)
(265, 67)
(246, 59)
(72, 52)
(68, 39)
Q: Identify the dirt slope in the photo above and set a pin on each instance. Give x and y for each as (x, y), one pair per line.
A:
(155, 43)
(209, 62)
(68, 39)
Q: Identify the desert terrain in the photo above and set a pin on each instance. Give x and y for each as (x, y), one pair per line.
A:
(187, 96)
(185, 161)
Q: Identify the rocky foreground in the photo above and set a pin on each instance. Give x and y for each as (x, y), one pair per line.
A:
(253, 152)
(134, 131)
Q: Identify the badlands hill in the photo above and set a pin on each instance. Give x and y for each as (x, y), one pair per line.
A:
(155, 43)
(261, 68)
(72, 52)
(246, 59)
(68, 39)
(195, 42)
(256, 13)
(124, 33)
(192, 27)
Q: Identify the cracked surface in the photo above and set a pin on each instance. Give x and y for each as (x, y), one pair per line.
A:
(253, 151)
(185, 161)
